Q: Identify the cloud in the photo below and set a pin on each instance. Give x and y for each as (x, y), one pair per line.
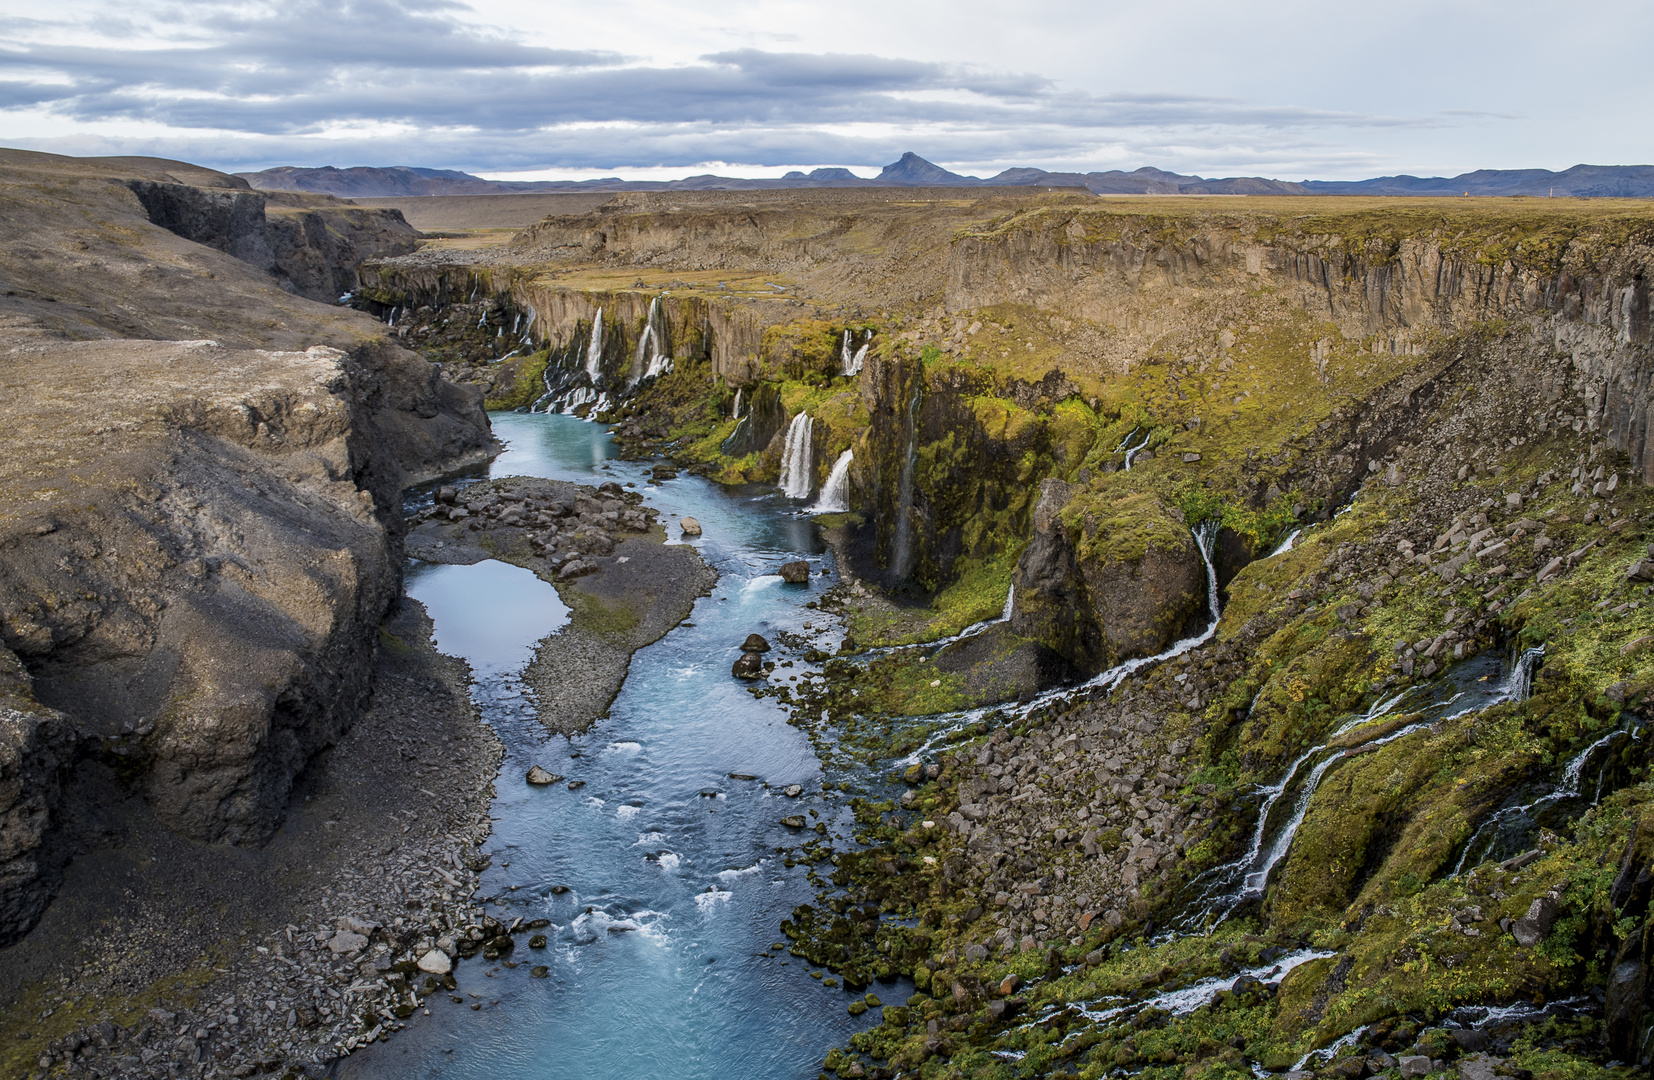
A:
(266, 82)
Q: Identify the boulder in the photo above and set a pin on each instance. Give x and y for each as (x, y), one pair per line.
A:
(436, 962)
(690, 526)
(1413, 1065)
(794, 821)
(755, 643)
(795, 573)
(540, 777)
(346, 941)
(750, 666)
(1533, 927)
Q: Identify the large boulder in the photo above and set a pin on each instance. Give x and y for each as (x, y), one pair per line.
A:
(1106, 577)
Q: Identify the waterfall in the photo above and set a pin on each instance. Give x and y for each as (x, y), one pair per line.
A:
(1225, 887)
(797, 475)
(736, 415)
(1010, 605)
(1132, 453)
(594, 351)
(835, 494)
(650, 359)
(851, 364)
(1286, 545)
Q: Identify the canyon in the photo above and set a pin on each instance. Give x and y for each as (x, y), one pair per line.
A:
(1230, 652)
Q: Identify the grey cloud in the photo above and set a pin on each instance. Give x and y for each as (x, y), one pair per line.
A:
(277, 75)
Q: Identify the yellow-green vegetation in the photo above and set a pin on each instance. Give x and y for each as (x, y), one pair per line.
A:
(519, 381)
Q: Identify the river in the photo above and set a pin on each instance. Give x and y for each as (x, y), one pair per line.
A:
(659, 952)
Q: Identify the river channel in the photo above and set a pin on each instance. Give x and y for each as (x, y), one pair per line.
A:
(659, 950)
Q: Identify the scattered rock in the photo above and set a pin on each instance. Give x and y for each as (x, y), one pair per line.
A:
(1413, 1065)
(794, 821)
(540, 777)
(436, 962)
(793, 791)
(1532, 928)
(346, 941)
(749, 666)
(795, 573)
(690, 526)
(755, 643)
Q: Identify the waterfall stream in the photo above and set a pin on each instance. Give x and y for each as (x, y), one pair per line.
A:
(797, 468)
(594, 350)
(835, 494)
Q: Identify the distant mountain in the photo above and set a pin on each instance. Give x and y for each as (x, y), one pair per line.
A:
(1593, 181)
(1622, 181)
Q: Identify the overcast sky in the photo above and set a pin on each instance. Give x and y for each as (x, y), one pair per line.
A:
(644, 88)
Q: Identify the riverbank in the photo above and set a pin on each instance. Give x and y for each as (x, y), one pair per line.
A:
(163, 958)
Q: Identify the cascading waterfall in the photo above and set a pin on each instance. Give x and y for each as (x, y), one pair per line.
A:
(650, 359)
(1132, 453)
(1286, 545)
(1010, 605)
(797, 475)
(1205, 538)
(736, 415)
(835, 494)
(850, 364)
(594, 350)
(1224, 888)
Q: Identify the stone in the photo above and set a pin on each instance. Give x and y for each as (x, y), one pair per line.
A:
(345, 942)
(794, 821)
(690, 526)
(1190, 459)
(755, 643)
(749, 666)
(540, 777)
(1532, 928)
(436, 962)
(538, 941)
(1513, 501)
(1641, 570)
(795, 573)
(793, 791)
(1549, 570)
(1413, 1065)
(539, 971)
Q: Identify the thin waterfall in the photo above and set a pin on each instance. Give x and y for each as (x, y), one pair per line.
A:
(1010, 604)
(797, 475)
(851, 364)
(1133, 452)
(835, 494)
(736, 415)
(1225, 887)
(1286, 545)
(594, 351)
(650, 359)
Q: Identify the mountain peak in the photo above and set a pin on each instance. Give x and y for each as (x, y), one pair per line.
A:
(911, 169)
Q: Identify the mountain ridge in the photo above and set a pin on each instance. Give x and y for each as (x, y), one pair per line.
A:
(911, 170)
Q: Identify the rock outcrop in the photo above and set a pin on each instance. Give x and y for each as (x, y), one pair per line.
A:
(198, 538)
(1102, 583)
(311, 244)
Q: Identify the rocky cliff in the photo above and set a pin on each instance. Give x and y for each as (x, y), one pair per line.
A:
(198, 537)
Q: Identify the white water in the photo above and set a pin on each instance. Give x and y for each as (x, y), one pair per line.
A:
(1010, 605)
(736, 415)
(1286, 545)
(594, 350)
(1187, 1000)
(851, 363)
(1568, 786)
(797, 475)
(1108, 680)
(1226, 887)
(1132, 453)
(835, 494)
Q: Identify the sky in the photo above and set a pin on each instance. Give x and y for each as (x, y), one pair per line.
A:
(532, 89)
